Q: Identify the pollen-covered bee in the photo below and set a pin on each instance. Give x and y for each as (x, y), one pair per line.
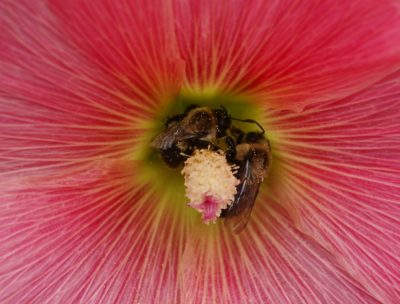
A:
(196, 128)
(204, 128)
(253, 157)
(196, 123)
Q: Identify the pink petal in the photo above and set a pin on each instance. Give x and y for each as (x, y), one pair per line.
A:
(270, 262)
(325, 229)
(287, 54)
(72, 90)
(339, 180)
(103, 239)
(75, 224)
(61, 104)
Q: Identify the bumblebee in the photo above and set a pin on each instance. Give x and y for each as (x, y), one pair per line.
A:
(253, 157)
(197, 128)
(202, 128)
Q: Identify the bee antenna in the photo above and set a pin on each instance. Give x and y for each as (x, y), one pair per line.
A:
(251, 121)
(245, 120)
(223, 108)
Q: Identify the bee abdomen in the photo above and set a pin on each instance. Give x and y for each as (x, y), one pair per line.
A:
(172, 156)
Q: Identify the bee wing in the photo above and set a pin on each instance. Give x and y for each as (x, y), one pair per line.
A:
(172, 134)
(239, 212)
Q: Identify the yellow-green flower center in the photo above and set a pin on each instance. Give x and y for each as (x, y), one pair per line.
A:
(166, 181)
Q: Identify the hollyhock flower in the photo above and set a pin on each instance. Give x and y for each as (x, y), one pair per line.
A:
(90, 214)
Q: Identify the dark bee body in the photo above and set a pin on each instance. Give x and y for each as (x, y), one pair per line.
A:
(197, 128)
(202, 128)
(178, 153)
(253, 156)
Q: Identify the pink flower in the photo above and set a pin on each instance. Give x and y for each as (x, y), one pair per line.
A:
(88, 214)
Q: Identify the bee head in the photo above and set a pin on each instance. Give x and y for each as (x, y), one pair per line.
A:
(223, 121)
(254, 137)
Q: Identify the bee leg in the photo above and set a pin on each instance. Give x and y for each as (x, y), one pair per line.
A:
(203, 144)
(237, 134)
(231, 149)
(197, 144)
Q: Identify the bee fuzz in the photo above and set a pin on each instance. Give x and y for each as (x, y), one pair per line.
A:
(210, 183)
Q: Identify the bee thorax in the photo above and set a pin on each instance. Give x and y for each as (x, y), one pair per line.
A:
(201, 122)
(242, 151)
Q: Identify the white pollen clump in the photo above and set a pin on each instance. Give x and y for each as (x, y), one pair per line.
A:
(210, 183)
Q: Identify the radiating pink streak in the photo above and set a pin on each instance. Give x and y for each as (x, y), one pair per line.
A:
(80, 78)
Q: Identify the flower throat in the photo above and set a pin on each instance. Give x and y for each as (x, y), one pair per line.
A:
(223, 165)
